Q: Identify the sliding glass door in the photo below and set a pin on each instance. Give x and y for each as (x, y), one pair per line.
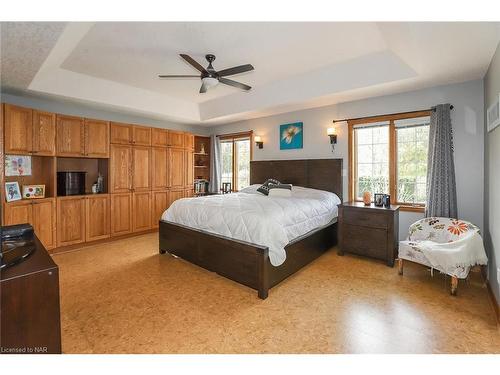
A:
(236, 156)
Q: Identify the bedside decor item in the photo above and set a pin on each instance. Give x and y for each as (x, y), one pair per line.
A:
(387, 200)
(17, 165)
(258, 141)
(33, 191)
(226, 188)
(332, 134)
(12, 192)
(291, 136)
(379, 200)
(367, 198)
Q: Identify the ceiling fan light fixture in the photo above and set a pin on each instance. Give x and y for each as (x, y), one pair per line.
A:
(210, 81)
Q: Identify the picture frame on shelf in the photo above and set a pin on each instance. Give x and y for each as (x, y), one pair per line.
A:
(33, 191)
(378, 200)
(17, 165)
(12, 192)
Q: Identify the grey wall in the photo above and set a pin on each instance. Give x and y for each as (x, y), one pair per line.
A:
(467, 118)
(492, 178)
(57, 105)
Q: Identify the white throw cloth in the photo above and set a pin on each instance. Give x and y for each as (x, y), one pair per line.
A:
(465, 252)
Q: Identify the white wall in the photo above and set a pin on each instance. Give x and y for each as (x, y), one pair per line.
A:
(492, 178)
(467, 119)
(84, 110)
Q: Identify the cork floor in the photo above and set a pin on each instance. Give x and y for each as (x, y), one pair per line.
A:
(123, 297)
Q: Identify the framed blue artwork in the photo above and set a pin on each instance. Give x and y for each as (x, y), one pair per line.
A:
(291, 136)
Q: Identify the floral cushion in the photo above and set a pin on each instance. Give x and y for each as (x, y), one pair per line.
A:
(440, 230)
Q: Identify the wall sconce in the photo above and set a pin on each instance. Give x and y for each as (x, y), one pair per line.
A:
(332, 133)
(258, 141)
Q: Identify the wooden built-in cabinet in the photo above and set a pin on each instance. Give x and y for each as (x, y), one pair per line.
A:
(159, 137)
(121, 169)
(96, 138)
(141, 208)
(159, 202)
(159, 168)
(141, 175)
(176, 167)
(70, 220)
(29, 131)
(121, 214)
(40, 213)
(176, 139)
(44, 134)
(97, 217)
(70, 136)
(121, 133)
(149, 168)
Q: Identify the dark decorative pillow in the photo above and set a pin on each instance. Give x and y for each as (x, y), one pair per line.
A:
(280, 186)
(264, 189)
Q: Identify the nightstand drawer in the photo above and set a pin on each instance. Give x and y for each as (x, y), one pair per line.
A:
(361, 240)
(369, 218)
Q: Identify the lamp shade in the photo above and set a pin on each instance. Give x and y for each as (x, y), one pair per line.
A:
(257, 138)
(331, 131)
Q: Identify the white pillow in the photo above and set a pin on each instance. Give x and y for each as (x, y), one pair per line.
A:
(280, 192)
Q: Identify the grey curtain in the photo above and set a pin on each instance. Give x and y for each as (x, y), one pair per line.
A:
(215, 164)
(441, 186)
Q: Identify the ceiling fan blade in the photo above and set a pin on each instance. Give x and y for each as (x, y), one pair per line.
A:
(230, 82)
(203, 88)
(235, 70)
(178, 76)
(193, 63)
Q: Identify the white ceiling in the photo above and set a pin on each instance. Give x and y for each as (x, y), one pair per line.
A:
(297, 65)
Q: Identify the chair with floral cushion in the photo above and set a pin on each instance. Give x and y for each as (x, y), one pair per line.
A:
(450, 246)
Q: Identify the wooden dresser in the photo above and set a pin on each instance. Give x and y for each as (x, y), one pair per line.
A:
(369, 230)
(30, 320)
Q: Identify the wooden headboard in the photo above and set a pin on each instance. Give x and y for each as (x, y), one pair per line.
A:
(321, 174)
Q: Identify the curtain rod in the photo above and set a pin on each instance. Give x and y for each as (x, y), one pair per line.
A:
(387, 114)
(235, 134)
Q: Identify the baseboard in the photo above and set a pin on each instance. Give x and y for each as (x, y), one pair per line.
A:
(65, 249)
(493, 301)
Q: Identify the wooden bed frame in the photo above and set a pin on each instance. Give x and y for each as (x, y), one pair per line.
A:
(247, 263)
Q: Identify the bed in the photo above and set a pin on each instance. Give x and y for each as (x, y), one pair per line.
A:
(250, 262)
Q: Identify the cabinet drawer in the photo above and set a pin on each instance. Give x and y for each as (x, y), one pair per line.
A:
(361, 240)
(371, 219)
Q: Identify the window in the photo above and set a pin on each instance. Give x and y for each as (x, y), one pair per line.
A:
(388, 154)
(236, 155)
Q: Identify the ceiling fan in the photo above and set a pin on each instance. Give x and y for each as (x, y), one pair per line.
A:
(210, 77)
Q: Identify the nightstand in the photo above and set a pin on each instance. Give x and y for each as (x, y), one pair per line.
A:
(369, 231)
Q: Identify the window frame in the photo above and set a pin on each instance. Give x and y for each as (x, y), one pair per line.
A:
(232, 138)
(404, 206)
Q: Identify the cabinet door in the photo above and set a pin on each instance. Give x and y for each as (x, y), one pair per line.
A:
(189, 170)
(189, 141)
(44, 221)
(18, 130)
(159, 175)
(176, 169)
(96, 138)
(121, 169)
(142, 211)
(159, 137)
(141, 176)
(141, 136)
(44, 133)
(121, 133)
(121, 214)
(175, 194)
(175, 139)
(70, 221)
(70, 136)
(18, 213)
(97, 215)
(160, 204)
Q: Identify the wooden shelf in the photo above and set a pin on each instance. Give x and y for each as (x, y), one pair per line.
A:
(201, 154)
(201, 166)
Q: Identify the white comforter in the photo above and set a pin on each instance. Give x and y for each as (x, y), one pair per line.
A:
(255, 218)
